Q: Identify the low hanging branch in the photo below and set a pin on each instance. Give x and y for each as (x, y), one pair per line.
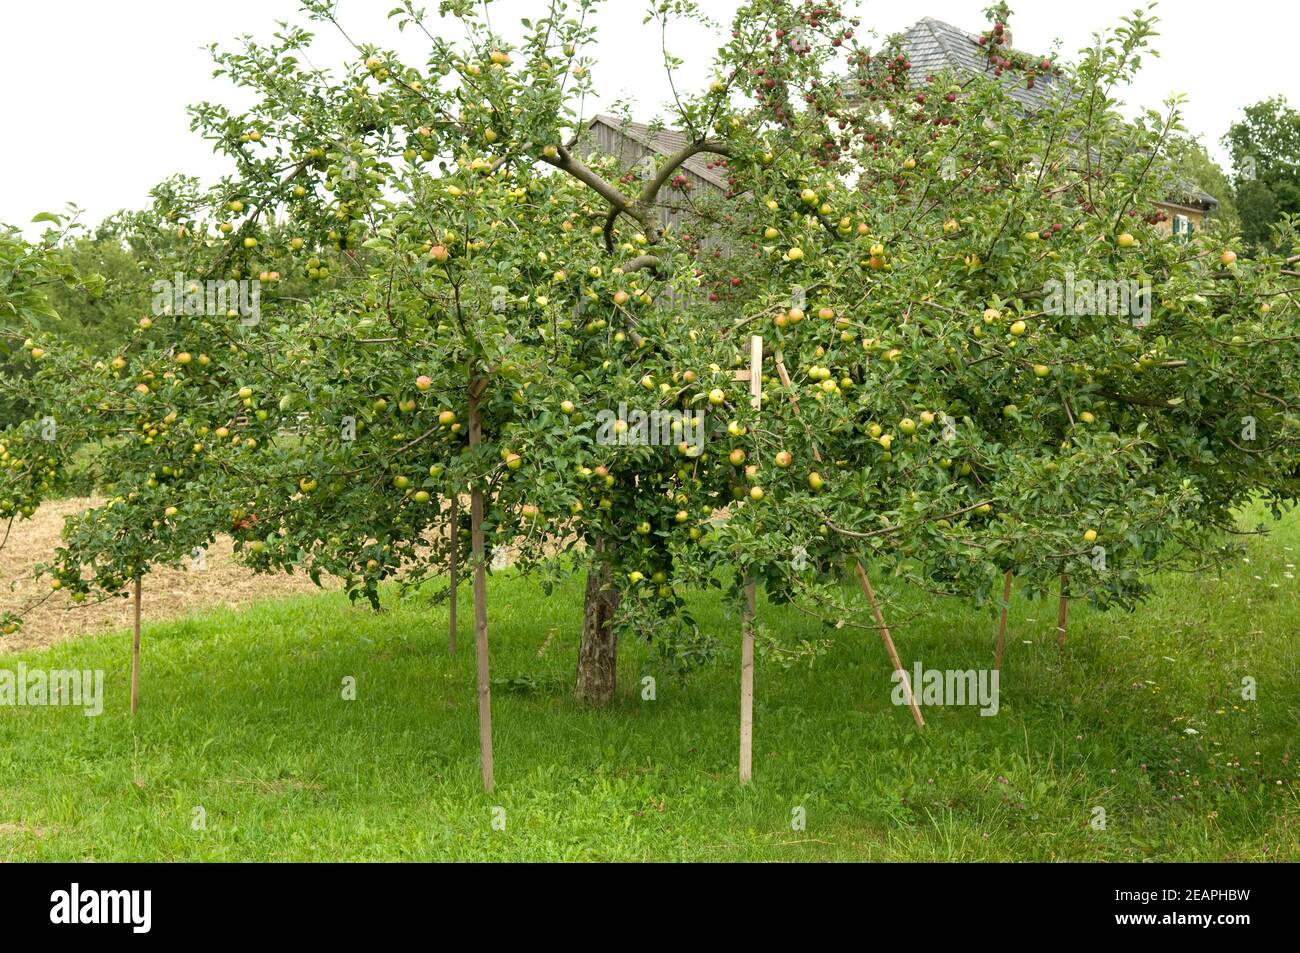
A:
(887, 530)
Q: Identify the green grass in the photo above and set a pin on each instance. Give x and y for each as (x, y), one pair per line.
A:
(242, 715)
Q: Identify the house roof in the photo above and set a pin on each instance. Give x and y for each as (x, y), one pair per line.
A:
(1192, 197)
(666, 142)
(933, 46)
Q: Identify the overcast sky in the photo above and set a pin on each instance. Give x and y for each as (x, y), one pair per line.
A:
(94, 110)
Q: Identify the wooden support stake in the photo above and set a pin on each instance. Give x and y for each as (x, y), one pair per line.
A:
(747, 624)
(1063, 611)
(889, 643)
(785, 382)
(1002, 622)
(480, 598)
(756, 372)
(135, 651)
(454, 560)
(747, 685)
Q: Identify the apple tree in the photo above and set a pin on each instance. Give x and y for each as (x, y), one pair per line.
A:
(946, 287)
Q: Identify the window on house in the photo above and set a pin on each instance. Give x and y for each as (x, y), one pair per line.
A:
(1182, 227)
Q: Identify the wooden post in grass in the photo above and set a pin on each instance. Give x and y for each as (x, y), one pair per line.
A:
(135, 650)
(1002, 622)
(480, 596)
(747, 684)
(453, 560)
(747, 623)
(865, 582)
(1063, 611)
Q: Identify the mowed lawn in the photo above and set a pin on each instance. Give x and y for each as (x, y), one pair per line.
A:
(243, 716)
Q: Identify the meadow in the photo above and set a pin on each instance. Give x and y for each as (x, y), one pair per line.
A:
(246, 748)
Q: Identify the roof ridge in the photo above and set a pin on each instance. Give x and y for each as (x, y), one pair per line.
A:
(950, 28)
(943, 23)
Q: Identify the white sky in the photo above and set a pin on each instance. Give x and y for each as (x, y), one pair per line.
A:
(94, 110)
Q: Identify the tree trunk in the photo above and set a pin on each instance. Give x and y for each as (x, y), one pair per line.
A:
(1002, 622)
(598, 651)
(1063, 611)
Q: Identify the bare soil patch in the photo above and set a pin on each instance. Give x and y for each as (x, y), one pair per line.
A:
(167, 593)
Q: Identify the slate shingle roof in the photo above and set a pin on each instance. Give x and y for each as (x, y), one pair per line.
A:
(933, 46)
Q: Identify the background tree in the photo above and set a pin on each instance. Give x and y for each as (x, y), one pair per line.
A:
(1265, 149)
(34, 448)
